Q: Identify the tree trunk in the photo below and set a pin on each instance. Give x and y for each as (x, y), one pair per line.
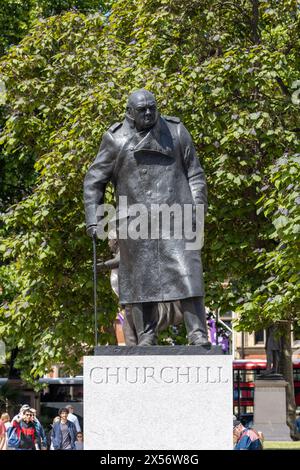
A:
(255, 21)
(13, 372)
(287, 372)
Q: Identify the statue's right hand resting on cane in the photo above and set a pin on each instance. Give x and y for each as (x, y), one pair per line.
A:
(92, 231)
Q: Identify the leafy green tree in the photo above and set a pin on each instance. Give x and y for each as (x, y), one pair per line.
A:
(17, 16)
(228, 70)
(16, 19)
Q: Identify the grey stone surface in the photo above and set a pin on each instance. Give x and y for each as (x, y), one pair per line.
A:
(158, 401)
(270, 409)
(157, 350)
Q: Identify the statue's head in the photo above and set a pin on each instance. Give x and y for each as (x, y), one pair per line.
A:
(141, 109)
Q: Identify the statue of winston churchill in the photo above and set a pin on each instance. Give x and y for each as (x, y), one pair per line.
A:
(150, 159)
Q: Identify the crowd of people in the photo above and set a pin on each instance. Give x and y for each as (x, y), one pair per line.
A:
(25, 432)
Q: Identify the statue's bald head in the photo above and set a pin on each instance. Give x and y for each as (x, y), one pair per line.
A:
(141, 109)
(142, 97)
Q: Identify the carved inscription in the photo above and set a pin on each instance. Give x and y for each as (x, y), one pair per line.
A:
(159, 375)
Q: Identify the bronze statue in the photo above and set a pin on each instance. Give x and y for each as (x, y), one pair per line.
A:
(150, 159)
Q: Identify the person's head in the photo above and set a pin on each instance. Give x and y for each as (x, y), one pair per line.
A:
(141, 109)
(23, 408)
(33, 411)
(70, 408)
(27, 416)
(63, 414)
(5, 417)
(237, 429)
(79, 436)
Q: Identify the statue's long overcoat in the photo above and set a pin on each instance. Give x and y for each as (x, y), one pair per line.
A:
(159, 166)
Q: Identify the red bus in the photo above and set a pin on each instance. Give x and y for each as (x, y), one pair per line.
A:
(245, 372)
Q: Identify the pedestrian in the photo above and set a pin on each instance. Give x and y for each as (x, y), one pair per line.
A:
(3, 443)
(22, 434)
(245, 439)
(297, 422)
(79, 441)
(73, 418)
(49, 440)
(64, 432)
(42, 439)
(12, 439)
(5, 418)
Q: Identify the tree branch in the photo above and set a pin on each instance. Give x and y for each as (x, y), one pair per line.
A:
(283, 87)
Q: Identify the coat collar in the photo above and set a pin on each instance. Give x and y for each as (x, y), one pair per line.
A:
(157, 139)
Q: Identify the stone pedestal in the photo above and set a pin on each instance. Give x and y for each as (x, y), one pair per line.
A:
(160, 397)
(270, 409)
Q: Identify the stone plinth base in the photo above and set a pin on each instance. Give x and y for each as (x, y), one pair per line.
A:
(158, 397)
(270, 409)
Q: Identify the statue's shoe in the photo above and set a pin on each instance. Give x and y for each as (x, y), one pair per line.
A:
(201, 341)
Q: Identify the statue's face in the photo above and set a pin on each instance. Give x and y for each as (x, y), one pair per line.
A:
(143, 110)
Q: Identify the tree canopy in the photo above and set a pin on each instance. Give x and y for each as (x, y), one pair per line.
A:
(17, 16)
(16, 19)
(228, 70)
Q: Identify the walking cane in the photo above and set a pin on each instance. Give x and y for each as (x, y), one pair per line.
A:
(95, 287)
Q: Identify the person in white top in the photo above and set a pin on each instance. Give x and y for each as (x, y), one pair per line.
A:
(73, 418)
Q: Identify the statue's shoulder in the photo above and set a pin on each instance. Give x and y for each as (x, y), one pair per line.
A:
(115, 127)
(173, 119)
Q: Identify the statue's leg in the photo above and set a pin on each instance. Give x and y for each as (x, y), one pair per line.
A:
(129, 331)
(269, 354)
(195, 320)
(276, 361)
(145, 319)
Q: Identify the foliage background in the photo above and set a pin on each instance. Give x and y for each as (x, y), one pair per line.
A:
(227, 69)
